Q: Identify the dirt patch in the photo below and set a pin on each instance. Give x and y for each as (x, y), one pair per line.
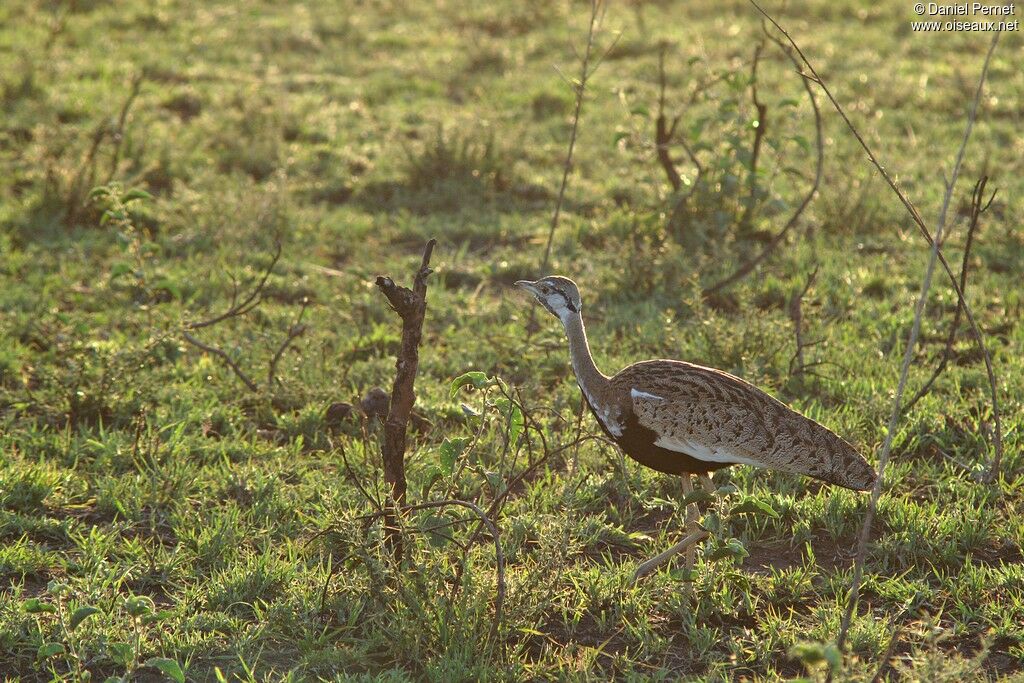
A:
(828, 556)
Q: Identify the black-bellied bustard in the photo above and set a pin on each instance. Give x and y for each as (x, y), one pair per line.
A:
(682, 418)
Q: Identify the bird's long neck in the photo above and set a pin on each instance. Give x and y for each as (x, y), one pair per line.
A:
(591, 380)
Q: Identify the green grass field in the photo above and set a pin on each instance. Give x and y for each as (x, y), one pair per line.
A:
(159, 518)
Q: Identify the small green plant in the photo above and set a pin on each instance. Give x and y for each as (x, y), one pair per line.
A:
(117, 206)
(63, 647)
(455, 454)
(459, 159)
(61, 650)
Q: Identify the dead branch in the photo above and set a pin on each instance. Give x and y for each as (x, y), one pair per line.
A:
(665, 135)
(977, 196)
(813, 75)
(239, 308)
(579, 86)
(797, 366)
(294, 332)
(755, 151)
(411, 307)
(85, 176)
(117, 132)
(894, 415)
(748, 267)
(220, 353)
(250, 302)
(663, 131)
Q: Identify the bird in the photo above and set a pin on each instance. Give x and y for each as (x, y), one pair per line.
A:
(685, 419)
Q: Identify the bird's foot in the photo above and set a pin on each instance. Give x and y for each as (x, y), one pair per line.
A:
(650, 565)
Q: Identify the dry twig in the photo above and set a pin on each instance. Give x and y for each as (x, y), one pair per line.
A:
(755, 151)
(579, 86)
(411, 307)
(977, 197)
(746, 268)
(239, 308)
(85, 176)
(813, 75)
(796, 363)
(664, 131)
(858, 570)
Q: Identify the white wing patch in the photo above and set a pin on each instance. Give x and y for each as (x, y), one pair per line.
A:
(636, 393)
(701, 452)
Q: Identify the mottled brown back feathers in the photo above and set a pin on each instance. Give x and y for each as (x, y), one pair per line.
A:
(710, 414)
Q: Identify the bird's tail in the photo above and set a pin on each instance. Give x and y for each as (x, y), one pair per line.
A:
(849, 469)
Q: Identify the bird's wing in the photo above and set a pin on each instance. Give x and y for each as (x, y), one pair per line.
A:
(713, 416)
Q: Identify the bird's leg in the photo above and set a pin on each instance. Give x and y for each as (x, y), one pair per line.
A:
(694, 535)
(692, 517)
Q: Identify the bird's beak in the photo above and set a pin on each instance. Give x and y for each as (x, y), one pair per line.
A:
(528, 286)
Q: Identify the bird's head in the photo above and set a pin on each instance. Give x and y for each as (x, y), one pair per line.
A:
(558, 294)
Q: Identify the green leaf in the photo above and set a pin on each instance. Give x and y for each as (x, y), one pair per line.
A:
(679, 574)
(711, 521)
(451, 449)
(121, 653)
(120, 268)
(513, 415)
(435, 476)
(139, 605)
(80, 615)
(35, 606)
(620, 136)
(433, 525)
(756, 507)
(640, 110)
(49, 650)
(833, 656)
(475, 378)
(157, 616)
(697, 496)
(169, 667)
(168, 285)
(496, 481)
(111, 215)
(733, 548)
(815, 653)
(135, 194)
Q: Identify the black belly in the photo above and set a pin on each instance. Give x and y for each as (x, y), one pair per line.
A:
(637, 442)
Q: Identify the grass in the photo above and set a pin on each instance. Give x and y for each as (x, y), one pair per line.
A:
(202, 520)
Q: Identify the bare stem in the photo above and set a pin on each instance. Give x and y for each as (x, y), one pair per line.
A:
(579, 86)
(411, 307)
(977, 197)
(908, 354)
(813, 75)
(749, 266)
